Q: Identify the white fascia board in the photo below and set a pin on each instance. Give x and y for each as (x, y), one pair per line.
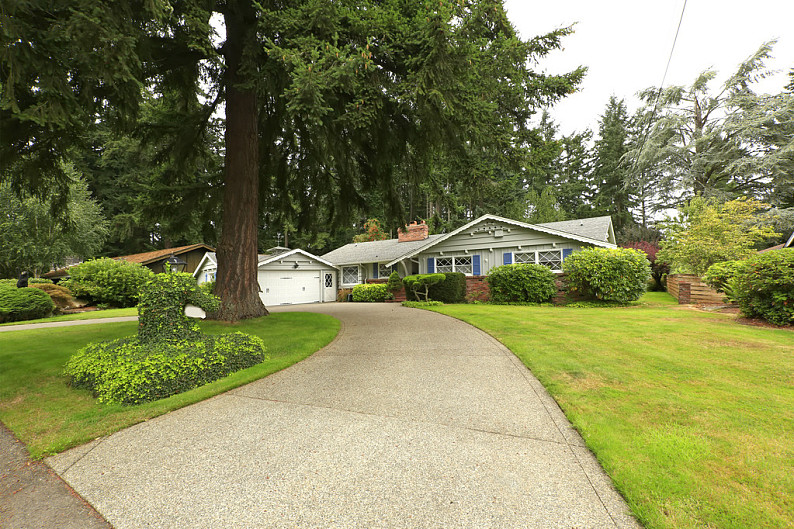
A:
(550, 231)
(201, 264)
(790, 241)
(286, 255)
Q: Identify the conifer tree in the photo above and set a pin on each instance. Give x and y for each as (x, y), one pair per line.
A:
(322, 99)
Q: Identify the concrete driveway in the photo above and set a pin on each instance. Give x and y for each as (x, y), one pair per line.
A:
(408, 419)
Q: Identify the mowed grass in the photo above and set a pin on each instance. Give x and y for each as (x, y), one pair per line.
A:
(49, 417)
(90, 315)
(690, 413)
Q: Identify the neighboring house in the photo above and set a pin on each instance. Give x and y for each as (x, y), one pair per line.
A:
(285, 276)
(192, 255)
(473, 249)
(788, 244)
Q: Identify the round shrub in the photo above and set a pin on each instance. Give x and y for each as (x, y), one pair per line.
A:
(764, 286)
(126, 371)
(618, 275)
(28, 303)
(107, 281)
(371, 292)
(522, 283)
(451, 290)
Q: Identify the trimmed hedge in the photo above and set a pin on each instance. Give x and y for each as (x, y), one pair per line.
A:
(451, 290)
(521, 283)
(764, 286)
(116, 283)
(419, 284)
(371, 292)
(619, 275)
(126, 371)
(20, 304)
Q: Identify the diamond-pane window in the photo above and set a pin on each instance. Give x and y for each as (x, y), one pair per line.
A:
(524, 257)
(551, 258)
(349, 275)
(444, 264)
(383, 270)
(463, 265)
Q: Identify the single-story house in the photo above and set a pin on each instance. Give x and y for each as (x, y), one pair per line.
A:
(473, 249)
(788, 244)
(285, 276)
(191, 254)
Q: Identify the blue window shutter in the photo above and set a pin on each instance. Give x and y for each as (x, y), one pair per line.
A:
(374, 270)
(394, 268)
(508, 258)
(431, 265)
(565, 253)
(475, 265)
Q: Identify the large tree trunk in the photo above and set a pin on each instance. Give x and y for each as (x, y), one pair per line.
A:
(237, 284)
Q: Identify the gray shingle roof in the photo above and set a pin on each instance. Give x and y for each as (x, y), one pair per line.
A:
(374, 251)
(595, 228)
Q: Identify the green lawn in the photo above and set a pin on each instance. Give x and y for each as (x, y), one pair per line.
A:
(91, 315)
(690, 413)
(48, 416)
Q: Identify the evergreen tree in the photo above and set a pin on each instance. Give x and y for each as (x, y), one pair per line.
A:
(609, 173)
(321, 99)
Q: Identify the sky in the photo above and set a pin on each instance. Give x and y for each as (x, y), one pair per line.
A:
(626, 45)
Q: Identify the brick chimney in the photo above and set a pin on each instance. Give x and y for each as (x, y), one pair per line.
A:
(414, 232)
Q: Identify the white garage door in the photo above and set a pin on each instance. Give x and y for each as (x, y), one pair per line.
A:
(289, 287)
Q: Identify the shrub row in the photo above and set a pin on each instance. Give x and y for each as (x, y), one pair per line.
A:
(620, 274)
(108, 281)
(371, 292)
(764, 286)
(521, 283)
(19, 304)
(125, 371)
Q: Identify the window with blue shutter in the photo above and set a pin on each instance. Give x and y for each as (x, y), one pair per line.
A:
(475, 261)
(431, 265)
(508, 258)
(374, 270)
(565, 253)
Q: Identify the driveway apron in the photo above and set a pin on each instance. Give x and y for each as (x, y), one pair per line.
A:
(408, 419)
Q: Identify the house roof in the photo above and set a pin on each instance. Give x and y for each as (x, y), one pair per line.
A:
(541, 228)
(374, 251)
(598, 228)
(157, 255)
(211, 258)
(290, 253)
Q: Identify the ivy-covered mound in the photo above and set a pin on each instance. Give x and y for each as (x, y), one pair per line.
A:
(169, 355)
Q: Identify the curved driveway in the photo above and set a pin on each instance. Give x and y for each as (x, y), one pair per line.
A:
(408, 419)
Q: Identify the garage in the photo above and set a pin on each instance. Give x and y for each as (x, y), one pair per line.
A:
(286, 277)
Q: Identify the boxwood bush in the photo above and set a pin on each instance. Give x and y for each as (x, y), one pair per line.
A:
(107, 281)
(618, 275)
(764, 286)
(450, 290)
(19, 304)
(521, 283)
(371, 292)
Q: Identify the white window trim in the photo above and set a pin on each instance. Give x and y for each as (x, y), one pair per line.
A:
(454, 266)
(537, 258)
(342, 275)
